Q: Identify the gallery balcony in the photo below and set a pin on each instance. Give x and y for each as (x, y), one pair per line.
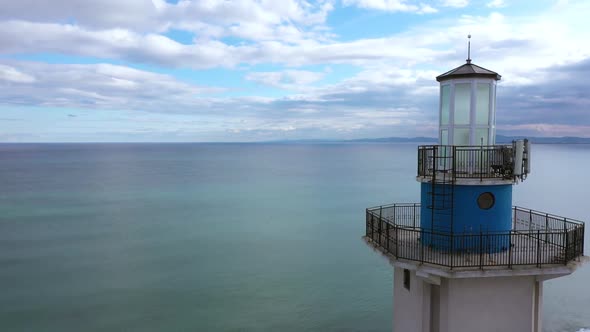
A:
(536, 239)
(505, 163)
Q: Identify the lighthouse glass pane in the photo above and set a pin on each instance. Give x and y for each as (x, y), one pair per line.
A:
(444, 137)
(462, 103)
(461, 136)
(481, 136)
(482, 107)
(445, 102)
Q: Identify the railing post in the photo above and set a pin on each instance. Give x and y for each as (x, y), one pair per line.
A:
(565, 256)
(480, 250)
(387, 235)
(530, 220)
(414, 217)
(372, 227)
(380, 231)
(575, 251)
(481, 164)
(539, 248)
(454, 170)
(396, 242)
(422, 250)
(582, 239)
(510, 250)
(420, 161)
(452, 252)
(514, 220)
(367, 218)
(380, 223)
(546, 227)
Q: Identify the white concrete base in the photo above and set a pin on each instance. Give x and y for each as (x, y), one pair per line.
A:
(443, 300)
(507, 304)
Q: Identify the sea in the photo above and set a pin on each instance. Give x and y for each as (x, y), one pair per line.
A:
(229, 237)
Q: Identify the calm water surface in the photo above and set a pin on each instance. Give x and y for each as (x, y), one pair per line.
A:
(227, 237)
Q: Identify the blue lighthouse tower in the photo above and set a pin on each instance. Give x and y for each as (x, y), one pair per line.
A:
(466, 180)
(464, 258)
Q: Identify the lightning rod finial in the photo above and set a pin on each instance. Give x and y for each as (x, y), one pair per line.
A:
(469, 48)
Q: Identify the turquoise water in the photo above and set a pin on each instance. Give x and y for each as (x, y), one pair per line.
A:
(227, 237)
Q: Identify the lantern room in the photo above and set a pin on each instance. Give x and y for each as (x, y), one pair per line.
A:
(468, 106)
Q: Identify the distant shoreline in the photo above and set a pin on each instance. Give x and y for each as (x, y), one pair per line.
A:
(500, 139)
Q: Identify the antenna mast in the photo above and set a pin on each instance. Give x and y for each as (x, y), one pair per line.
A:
(469, 48)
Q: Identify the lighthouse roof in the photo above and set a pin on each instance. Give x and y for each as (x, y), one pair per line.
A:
(468, 70)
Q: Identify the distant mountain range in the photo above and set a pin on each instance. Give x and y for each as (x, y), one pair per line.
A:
(545, 140)
(499, 139)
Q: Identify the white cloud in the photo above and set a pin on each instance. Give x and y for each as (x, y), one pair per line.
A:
(394, 90)
(337, 110)
(455, 3)
(204, 18)
(524, 41)
(116, 44)
(496, 4)
(379, 101)
(392, 6)
(95, 86)
(287, 79)
(158, 49)
(427, 9)
(10, 74)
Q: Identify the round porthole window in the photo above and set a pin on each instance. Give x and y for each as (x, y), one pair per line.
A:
(486, 200)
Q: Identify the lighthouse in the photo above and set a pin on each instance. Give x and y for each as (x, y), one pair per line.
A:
(464, 258)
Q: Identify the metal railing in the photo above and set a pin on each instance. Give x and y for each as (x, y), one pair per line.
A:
(469, 162)
(537, 239)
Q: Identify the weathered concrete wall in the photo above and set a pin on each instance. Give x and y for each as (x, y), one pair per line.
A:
(435, 308)
(411, 308)
(504, 304)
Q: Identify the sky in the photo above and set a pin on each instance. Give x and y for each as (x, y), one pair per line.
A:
(260, 70)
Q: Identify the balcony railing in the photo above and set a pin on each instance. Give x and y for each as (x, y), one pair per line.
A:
(474, 162)
(536, 239)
